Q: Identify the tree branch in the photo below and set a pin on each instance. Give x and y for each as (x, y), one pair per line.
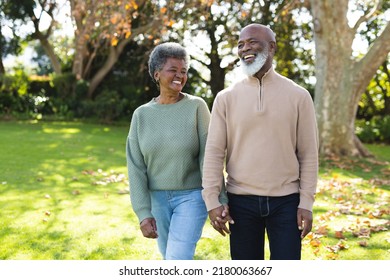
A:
(365, 69)
(114, 54)
(367, 15)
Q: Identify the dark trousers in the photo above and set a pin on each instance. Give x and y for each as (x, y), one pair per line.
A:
(253, 215)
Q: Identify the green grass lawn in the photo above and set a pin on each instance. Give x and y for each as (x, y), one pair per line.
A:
(64, 196)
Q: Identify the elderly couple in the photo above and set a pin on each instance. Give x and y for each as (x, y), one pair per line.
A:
(262, 129)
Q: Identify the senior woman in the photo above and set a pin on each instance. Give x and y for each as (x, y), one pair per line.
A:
(165, 150)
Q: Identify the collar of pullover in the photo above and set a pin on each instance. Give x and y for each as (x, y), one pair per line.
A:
(268, 76)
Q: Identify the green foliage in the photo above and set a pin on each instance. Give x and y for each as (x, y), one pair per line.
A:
(107, 107)
(129, 81)
(12, 13)
(374, 130)
(13, 93)
(65, 85)
(16, 83)
(376, 99)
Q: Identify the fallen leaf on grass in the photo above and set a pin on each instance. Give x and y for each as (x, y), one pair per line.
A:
(332, 256)
(378, 228)
(363, 243)
(376, 214)
(88, 172)
(315, 242)
(341, 245)
(124, 191)
(322, 230)
(316, 252)
(339, 234)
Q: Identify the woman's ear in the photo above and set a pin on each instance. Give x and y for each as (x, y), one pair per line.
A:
(157, 76)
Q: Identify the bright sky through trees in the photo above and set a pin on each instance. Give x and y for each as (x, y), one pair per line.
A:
(67, 29)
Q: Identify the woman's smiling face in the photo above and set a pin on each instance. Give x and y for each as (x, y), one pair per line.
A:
(173, 76)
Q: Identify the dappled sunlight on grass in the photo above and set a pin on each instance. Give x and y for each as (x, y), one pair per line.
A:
(52, 207)
(61, 130)
(64, 195)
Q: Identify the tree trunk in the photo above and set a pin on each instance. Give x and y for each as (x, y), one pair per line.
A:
(82, 33)
(340, 79)
(217, 78)
(2, 69)
(43, 37)
(55, 62)
(48, 48)
(106, 68)
(114, 53)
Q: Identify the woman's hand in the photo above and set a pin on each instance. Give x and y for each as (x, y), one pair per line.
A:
(219, 217)
(149, 228)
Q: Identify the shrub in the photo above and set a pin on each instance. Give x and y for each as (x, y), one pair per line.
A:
(109, 106)
(377, 129)
(65, 85)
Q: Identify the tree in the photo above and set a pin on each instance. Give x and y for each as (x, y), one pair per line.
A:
(26, 12)
(218, 23)
(45, 7)
(375, 100)
(9, 15)
(107, 26)
(342, 78)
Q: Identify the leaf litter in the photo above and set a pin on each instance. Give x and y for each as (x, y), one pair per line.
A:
(357, 209)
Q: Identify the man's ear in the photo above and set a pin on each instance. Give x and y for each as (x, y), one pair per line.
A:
(273, 46)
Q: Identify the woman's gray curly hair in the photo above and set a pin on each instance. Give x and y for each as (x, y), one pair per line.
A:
(162, 52)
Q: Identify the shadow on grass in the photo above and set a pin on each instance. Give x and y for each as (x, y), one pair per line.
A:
(59, 192)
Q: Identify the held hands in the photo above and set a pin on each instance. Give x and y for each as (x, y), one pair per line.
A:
(305, 221)
(218, 217)
(149, 228)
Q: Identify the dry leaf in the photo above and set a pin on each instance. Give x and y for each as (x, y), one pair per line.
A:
(315, 242)
(339, 234)
(322, 230)
(363, 243)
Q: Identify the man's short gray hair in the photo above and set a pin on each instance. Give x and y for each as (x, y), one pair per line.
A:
(162, 52)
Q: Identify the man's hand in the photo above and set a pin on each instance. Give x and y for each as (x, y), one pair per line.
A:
(149, 228)
(219, 217)
(305, 221)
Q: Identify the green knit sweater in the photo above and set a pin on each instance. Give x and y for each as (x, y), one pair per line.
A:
(165, 149)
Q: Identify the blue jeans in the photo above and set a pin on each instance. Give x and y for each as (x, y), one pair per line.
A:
(180, 217)
(253, 215)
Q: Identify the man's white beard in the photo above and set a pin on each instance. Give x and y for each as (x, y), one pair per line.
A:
(256, 65)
